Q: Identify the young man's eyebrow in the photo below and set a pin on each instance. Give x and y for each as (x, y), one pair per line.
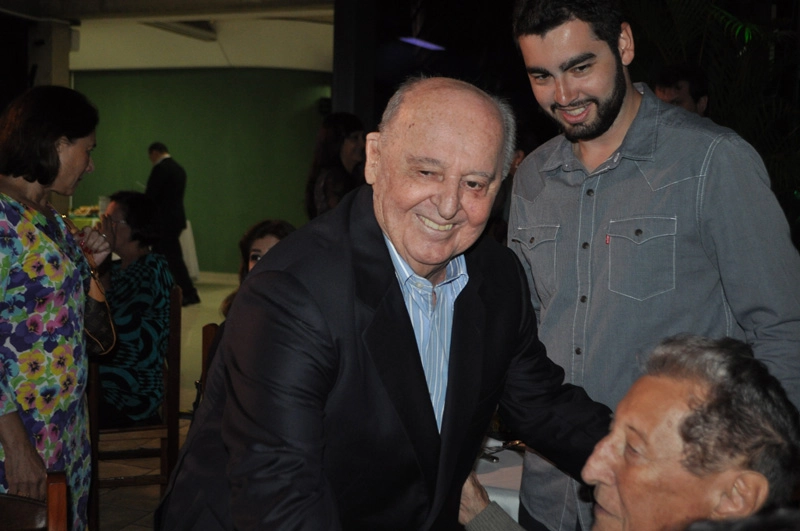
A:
(578, 59)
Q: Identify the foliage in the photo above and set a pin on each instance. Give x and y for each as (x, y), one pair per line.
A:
(748, 67)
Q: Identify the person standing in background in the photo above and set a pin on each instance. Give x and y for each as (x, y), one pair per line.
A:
(683, 85)
(165, 188)
(46, 140)
(338, 162)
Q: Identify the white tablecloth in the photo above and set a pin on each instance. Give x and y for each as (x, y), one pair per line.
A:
(502, 479)
(189, 251)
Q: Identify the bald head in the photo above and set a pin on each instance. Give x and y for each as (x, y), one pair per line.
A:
(442, 89)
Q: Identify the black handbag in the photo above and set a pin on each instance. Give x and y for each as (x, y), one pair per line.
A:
(98, 324)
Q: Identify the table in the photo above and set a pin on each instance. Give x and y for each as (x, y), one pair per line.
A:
(85, 221)
(502, 479)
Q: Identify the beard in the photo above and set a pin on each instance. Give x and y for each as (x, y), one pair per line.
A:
(607, 111)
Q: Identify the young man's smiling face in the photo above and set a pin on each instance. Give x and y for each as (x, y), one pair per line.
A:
(576, 78)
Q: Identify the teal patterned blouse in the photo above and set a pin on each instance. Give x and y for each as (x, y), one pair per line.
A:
(131, 376)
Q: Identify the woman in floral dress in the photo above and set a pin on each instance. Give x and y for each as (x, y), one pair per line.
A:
(46, 139)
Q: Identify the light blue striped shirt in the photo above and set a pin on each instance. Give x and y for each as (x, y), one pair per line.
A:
(433, 323)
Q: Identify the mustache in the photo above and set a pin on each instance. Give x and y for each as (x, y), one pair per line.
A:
(571, 105)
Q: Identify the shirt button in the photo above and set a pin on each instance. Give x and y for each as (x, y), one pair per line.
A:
(531, 240)
(583, 298)
(578, 351)
(638, 232)
(590, 192)
(585, 245)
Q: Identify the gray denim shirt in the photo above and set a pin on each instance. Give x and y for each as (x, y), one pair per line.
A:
(678, 231)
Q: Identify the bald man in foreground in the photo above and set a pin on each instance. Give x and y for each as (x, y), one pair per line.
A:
(364, 356)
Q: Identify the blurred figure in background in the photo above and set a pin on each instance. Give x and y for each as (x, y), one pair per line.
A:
(255, 243)
(165, 188)
(683, 85)
(137, 289)
(46, 139)
(338, 162)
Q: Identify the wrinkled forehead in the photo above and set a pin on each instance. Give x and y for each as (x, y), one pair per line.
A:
(443, 108)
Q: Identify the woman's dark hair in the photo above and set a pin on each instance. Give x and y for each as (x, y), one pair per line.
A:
(327, 151)
(31, 126)
(268, 227)
(140, 215)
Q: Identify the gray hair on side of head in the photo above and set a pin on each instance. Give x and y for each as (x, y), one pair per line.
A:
(745, 419)
(503, 108)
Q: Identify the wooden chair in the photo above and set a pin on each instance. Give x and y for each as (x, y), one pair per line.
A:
(167, 430)
(209, 333)
(20, 513)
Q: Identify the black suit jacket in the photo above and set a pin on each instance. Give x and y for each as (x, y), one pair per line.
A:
(327, 421)
(165, 187)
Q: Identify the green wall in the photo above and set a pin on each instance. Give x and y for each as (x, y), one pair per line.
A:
(244, 136)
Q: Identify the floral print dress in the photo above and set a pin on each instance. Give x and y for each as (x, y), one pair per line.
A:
(43, 279)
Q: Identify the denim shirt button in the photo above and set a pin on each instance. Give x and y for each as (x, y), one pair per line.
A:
(585, 245)
(590, 192)
(584, 298)
(578, 351)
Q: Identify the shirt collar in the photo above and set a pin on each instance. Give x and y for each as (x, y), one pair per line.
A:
(454, 269)
(639, 142)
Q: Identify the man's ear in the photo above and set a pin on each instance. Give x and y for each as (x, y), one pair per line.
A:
(625, 45)
(702, 104)
(373, 157)
(744, 495)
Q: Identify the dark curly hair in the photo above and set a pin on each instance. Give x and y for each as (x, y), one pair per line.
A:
(537, 17)
(746, 418)
(31, 126)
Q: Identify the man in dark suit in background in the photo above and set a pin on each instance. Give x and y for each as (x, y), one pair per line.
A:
(364, 356)
(165, 188)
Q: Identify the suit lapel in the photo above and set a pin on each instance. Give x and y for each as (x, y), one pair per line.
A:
(389, 337)
(463, 381)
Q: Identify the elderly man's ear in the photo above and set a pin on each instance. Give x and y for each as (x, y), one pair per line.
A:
(373, 156)
(744, 495)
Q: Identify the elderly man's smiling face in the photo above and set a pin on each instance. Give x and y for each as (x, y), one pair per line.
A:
(435, 171)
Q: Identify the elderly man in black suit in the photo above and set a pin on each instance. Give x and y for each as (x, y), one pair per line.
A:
(165, 187)
(365, 355)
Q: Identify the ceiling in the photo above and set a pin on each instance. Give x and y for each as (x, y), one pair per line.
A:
(172, 10)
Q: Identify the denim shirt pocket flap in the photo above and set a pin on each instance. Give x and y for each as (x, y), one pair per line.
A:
(530, 237)
(641, 230)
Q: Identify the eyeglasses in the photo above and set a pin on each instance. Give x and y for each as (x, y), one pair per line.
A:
(114, 222)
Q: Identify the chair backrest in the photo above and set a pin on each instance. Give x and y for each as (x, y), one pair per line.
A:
(20, 513)
(172, 388)
(169, 445)
(209, 333)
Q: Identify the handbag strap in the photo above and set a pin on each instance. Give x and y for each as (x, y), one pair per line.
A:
(96, 290)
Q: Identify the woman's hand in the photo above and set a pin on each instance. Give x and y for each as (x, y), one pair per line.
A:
(25, 470)
(93, 241)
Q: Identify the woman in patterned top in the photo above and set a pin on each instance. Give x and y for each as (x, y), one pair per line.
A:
(46, 139)
(137, 289)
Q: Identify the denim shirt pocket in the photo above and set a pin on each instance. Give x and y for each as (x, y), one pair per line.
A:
(538, 245)
(641, 256)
